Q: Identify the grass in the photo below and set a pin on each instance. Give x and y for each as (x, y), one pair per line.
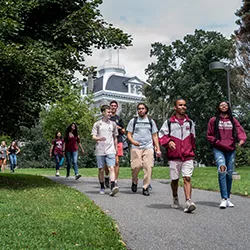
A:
(37, 213)
(203, 178)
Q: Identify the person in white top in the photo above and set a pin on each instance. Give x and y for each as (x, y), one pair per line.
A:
(105, 132)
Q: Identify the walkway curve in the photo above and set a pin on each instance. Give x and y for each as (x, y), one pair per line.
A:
(149, 223)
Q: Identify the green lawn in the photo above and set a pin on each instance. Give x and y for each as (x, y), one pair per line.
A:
(37, 213)
(203, 178)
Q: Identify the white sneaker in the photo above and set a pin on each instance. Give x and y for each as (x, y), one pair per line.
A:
(114, 191)
(189, 206)
(229, 203)
(102, 191)
(223, 204)
(175, 203)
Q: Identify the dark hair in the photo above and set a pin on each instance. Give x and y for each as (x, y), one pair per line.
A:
(141, 103)
(104, 107)
(114, 102)
(68, 130)
(179, 99)
(57, 133)
(217, 120)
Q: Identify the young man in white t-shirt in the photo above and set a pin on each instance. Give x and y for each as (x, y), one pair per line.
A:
(105, 132)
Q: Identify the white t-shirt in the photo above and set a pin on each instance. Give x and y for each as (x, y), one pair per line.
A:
(109, 131)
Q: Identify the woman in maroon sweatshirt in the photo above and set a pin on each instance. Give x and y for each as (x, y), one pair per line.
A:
(223, 132)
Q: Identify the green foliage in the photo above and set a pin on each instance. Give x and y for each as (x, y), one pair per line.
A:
(243, 46)
(34, 149)
(62, 113)
(42, 43)
(182, 70)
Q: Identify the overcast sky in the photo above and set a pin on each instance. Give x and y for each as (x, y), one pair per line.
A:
(163, 21)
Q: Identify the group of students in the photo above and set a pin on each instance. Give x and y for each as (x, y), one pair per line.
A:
(10, 153)
(177, 135)
(67, 146)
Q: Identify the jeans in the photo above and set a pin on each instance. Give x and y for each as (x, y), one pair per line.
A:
(58, 159)
(226, 159)
(13, 162)
(72, 159)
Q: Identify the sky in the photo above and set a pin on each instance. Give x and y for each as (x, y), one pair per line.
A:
(150, 21)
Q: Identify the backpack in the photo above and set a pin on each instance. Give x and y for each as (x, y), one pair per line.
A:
(169, 126)
(136, 119)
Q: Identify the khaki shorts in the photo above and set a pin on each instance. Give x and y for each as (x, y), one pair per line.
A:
(185, 168)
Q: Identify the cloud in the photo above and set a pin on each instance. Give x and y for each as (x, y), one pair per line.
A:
(161, 21)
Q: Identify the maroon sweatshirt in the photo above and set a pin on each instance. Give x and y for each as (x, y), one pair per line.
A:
(227, 141)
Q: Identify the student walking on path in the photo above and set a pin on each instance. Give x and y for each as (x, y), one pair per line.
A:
(3, 156)
(71, 143)
(121, 131)
(224, 132)
(105, 133)
(12, 151)
(142, 133)
(177, 134)
(56, 150)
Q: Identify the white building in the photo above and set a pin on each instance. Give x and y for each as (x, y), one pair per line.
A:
(112, 83)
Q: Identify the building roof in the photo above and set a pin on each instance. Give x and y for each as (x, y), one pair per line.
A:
(117, 83)
(98, 83)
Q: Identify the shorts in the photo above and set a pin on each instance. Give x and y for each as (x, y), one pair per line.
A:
(120, 149)
(185, 168)
(105, 160)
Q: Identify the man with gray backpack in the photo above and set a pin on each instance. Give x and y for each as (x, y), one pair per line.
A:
(142, 134)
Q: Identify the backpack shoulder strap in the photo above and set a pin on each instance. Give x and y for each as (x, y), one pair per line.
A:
(134, 123)
(150, 122)
(169, 126)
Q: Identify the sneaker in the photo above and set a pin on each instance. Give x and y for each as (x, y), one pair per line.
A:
(223, 204)
(175, 203)
(150, 187)
(229, 203)
(189, 206)
(107, 182)
(114, 191)
(134, 187)
(57, 175)
(78, 176)
(145, 192)
(67, 176)
(102, 191)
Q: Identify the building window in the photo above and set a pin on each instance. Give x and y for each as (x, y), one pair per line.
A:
(136, 89)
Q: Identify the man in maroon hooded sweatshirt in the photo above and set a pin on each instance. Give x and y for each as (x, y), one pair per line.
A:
(223, 132)
(178, 135)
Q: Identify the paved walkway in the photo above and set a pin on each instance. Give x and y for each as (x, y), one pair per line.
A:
(149, 223)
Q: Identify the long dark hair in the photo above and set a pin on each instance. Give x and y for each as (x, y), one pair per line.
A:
(68, 130)
(56, 137)
(217, 120)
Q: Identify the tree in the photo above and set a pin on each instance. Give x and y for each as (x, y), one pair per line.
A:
(181, 70)
(42, 43)
(242, 37)
(61, 114)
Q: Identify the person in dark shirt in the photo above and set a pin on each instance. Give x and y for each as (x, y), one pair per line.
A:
(121, 131)
(56, 150)
(12, 151)
(70, 146)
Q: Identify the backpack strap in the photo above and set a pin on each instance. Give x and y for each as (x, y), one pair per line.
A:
(136, 119)
(169, 126)
(134, 123)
